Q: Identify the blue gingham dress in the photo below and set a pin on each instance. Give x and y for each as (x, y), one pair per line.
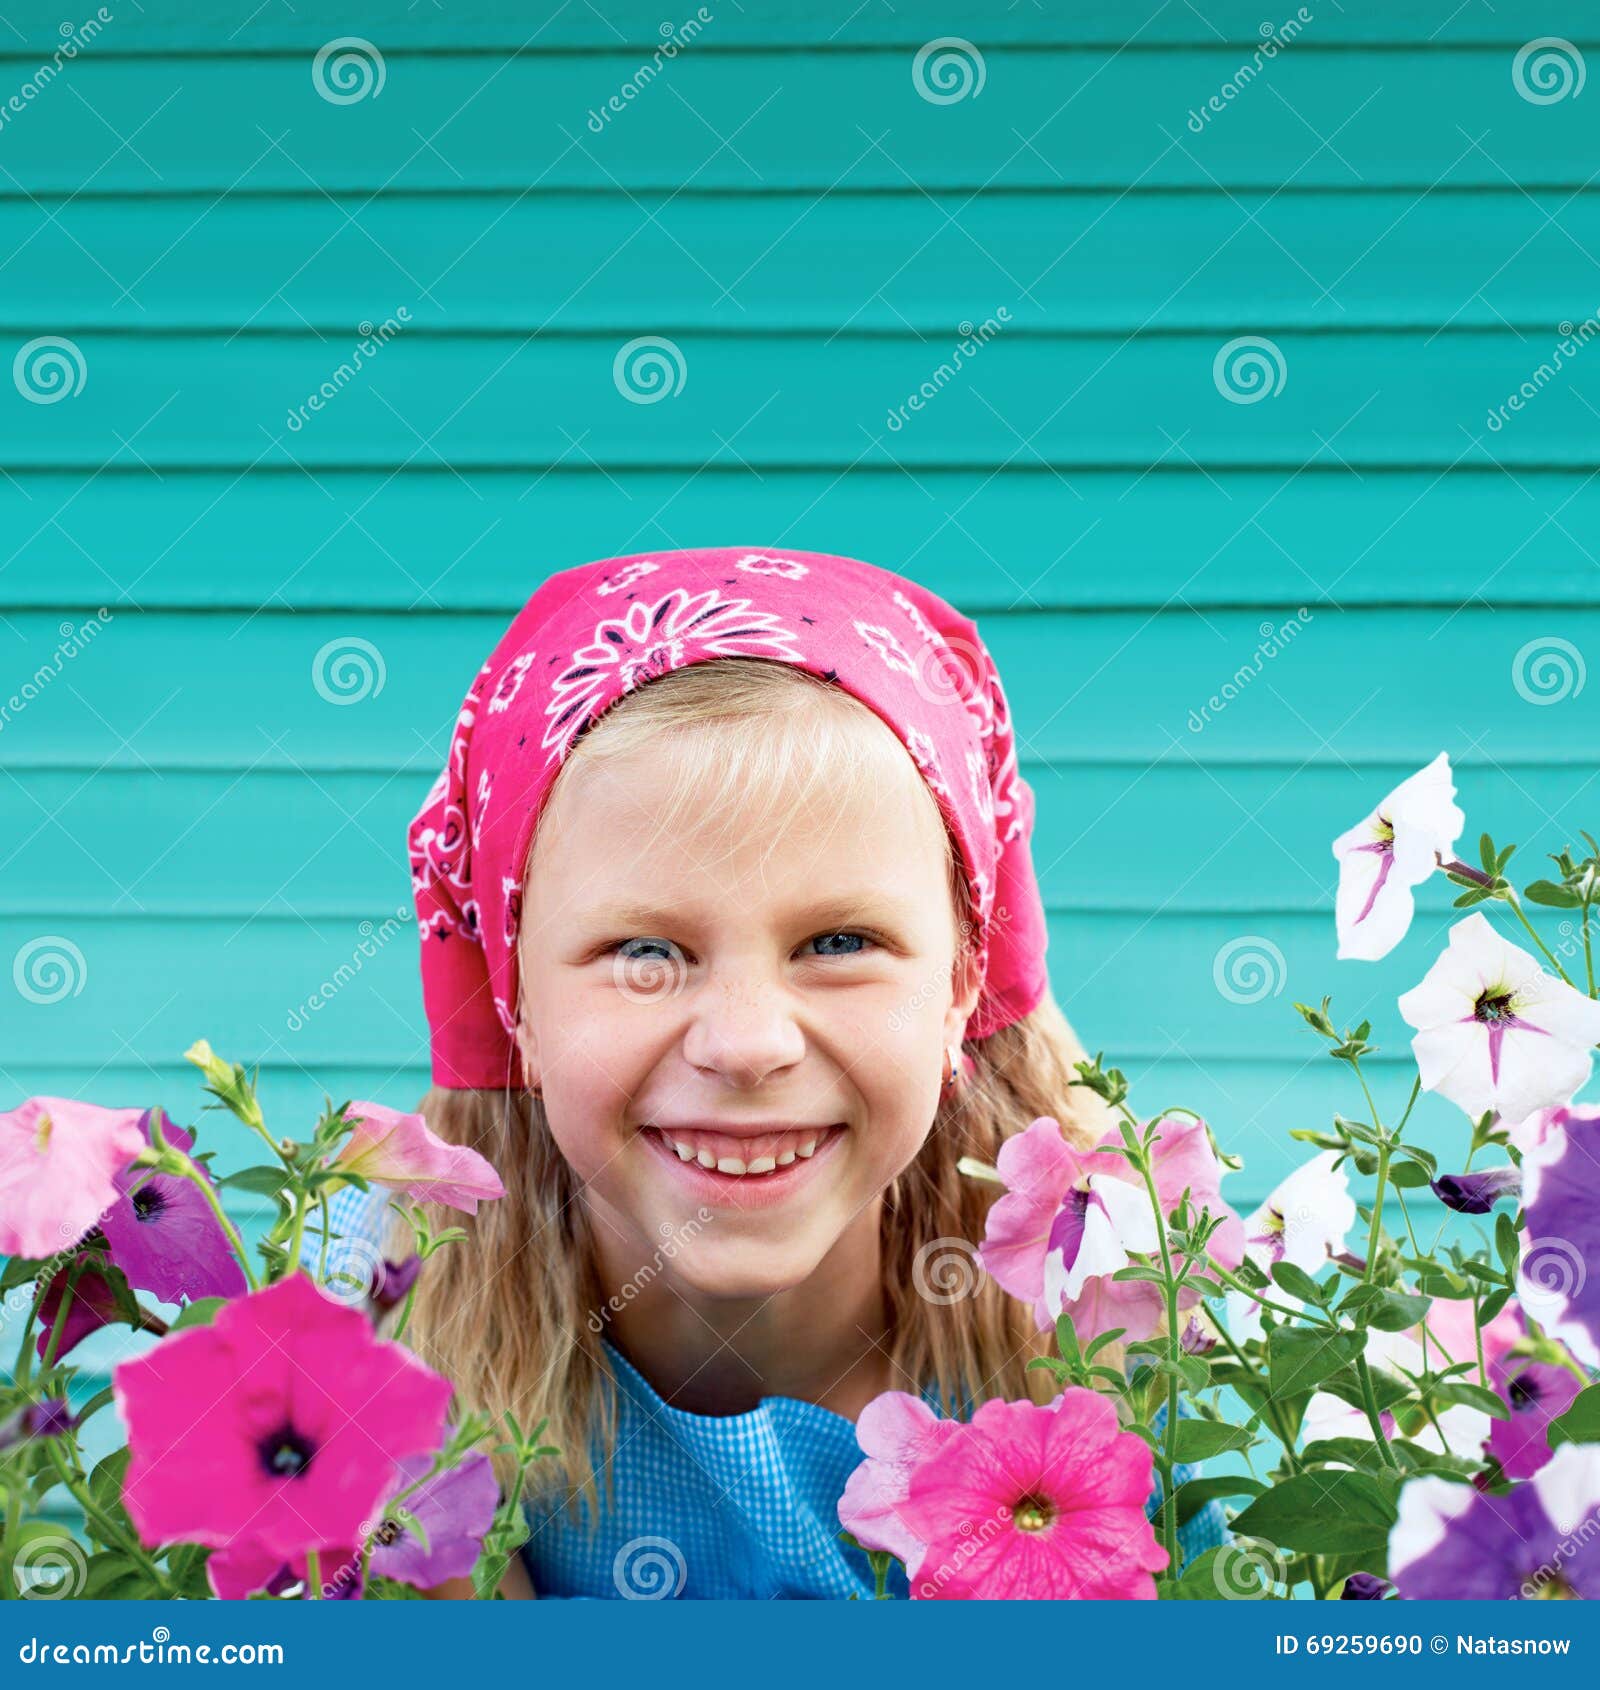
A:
(717, 1506)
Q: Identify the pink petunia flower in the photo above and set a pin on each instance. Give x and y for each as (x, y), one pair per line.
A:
(277, 1428)
(1023, 1502)
(1070, 1219)
(897, 1432)
(58, 1165)
(402, 1152)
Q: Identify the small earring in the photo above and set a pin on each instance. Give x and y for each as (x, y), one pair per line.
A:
(952, 1067)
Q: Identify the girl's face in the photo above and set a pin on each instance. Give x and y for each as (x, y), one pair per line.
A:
(733, 995)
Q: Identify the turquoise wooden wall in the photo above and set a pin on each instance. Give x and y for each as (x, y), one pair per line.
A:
(202, 810)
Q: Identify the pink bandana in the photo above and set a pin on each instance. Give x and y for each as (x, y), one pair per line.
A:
(590, 635)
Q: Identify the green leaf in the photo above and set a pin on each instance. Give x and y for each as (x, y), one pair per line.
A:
(1322, 1513)
(1408, 1175)
(1506, 1242)
(1486, 853)
(116, 1577)
(201, 1312)
(1387, 1390)
(1067, 1338)
(1473, 1396)
(1194, 1494)
(1552, 896)
(1581, 1423)
(1229, 1573)
(1395, 1311)
(1297, 1282)
(1299, 1359)
(265, 1181)
(1196, 1440)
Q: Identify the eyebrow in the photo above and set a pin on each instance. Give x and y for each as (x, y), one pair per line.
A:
(846, 910)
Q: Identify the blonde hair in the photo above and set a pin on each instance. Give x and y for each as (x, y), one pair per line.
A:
(506, 1315)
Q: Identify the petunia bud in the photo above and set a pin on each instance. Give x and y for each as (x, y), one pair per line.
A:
(1365, 1587)
(1477, 1194)
(50, 1417)
(392, 1281)
(1196, 1340)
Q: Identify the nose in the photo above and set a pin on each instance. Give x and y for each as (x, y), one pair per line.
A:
(743, 1027)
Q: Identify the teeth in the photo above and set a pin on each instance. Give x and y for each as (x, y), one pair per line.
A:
(736, 1165)
(726, 1164)
(762, 1165)
(707, 1160)
(808, 1149)
(685, 1154)
(785, 1159)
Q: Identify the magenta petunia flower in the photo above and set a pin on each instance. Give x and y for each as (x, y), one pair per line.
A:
(96, 1302)
(242, 1569)
(1023, 1502)
(897, 1432)
(401, 1151)
(278, 1427)
(1536, 1392)
(163, 1234)
(58, 1163)
(1070, 1219)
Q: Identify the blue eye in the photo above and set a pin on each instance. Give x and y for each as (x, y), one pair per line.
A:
(634, 956)
(843, 933)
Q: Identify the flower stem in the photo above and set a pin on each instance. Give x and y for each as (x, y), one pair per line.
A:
(190, 1172)
(91, 1511)
(1516, 904)
(1369, 1397)
(1169, 1460)
(313, 1575)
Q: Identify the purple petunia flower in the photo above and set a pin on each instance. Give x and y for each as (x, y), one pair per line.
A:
(392, 1281)
(1457, 1543)
(1477, 1194)
(50, 1417)
(1536, 1393)
(456, 1508)
(1558, 1278)
(1365, 1587)
(164, 1236)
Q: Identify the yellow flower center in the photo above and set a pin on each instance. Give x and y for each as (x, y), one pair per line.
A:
(1032, 1514)
(41, 1139)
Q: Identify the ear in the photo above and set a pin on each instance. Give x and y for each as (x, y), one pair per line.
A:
(528, 1051)
(968, 986)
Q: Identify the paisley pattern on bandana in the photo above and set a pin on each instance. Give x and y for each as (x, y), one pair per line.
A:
(589, 636)
(651, 640)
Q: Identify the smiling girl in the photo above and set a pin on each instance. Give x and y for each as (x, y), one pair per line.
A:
(732, 948)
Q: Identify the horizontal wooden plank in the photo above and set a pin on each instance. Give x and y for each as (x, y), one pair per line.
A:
(178, 844)
(502, 26)
(269, 991)
(1355, 400)
(715, 121)
(245, 692)
(429, 540)
(603, 261)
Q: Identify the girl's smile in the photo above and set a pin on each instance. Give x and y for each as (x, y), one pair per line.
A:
(745, 1169)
